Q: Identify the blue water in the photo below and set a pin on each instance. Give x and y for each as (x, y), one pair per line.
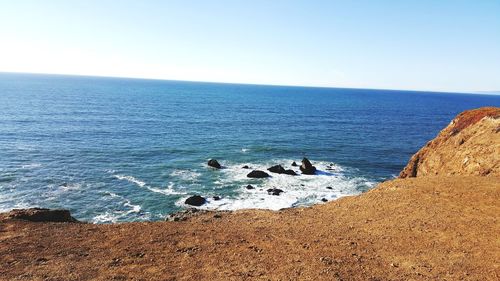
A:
(114, 149)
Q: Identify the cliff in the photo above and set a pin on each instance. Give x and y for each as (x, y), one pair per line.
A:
(469, 145)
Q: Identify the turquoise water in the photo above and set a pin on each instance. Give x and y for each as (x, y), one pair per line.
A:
(129, 150)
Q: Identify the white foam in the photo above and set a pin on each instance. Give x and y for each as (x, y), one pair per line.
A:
(130, 179)
(134, 208)
(301, 190)
(114, 216)
(166, 191)
(185, 175)
(113, 194)
(70, 187)
(126, 202)
(244, 150)
(107, 217)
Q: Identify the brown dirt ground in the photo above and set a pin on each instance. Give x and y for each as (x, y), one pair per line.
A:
(430, 228)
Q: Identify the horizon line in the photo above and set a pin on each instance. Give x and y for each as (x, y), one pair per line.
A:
(490, 93)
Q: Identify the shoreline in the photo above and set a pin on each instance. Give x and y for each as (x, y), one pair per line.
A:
(417, 228)
(439, 220)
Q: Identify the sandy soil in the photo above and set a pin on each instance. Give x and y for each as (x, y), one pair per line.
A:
(430, 228)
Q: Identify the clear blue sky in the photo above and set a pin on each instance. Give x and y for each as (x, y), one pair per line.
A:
(425, 45)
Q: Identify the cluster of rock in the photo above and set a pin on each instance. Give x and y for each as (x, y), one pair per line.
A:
(306, 168)
(41, 215)
(192, 212)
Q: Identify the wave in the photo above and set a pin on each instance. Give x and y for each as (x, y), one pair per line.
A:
(107, 217)
(70, 186)
(167, 191)
(329, 183)
(130, 179)
(185, 175)
(125, 206)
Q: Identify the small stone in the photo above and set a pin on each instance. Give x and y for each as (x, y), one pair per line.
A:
(274, 191)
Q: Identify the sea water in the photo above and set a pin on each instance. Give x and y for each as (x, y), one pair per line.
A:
(114, 150)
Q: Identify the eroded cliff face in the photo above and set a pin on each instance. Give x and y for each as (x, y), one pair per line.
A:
(469, 145)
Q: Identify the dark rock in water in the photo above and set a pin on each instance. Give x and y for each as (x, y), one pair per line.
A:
(213, 163)
(277, 169)
(274, 191)
(329, 187)
(324, 200)
(250, 187)
(216, 198)
(294, 164)
(290, 172)
(307, 168)
(195, 200)
(245, 167)
(258, 174)
(41, 215)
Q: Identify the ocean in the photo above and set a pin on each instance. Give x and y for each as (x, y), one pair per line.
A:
(117, 150)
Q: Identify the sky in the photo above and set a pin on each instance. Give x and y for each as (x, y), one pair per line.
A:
(439, 45)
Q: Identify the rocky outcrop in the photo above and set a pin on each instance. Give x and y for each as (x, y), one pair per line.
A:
(41, 215)
(195, 200)
(277, 169)
(307, 168)
(214, 164)
(258, 174)
(469, 145)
